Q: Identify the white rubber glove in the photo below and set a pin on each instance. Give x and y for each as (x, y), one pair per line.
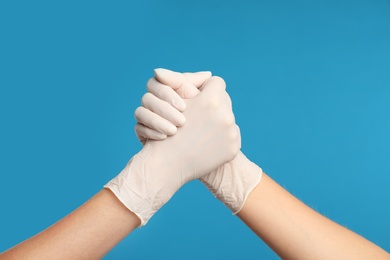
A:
(208, 139)
(160, 110)
(232, 182)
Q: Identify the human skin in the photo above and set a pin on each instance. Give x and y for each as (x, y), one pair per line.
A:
(295, 231)
(97, 226)
(89, 232)
(292, 229)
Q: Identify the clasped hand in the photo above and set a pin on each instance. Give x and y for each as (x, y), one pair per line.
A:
(203, 137)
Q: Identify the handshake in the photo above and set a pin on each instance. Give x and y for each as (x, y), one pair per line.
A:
(188, 130)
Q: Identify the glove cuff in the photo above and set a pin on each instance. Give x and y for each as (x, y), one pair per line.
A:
(138, 189)
(233, 182)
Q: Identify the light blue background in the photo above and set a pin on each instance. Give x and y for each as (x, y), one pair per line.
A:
(309, 80)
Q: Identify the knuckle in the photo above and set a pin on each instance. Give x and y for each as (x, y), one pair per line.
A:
(228, 99)
(229, 119)
(218, 81)
(225, 118)
(233, 133)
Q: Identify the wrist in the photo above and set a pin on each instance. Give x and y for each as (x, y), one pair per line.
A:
(145, 184)
(232, 182)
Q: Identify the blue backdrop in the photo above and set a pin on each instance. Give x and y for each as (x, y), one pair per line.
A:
(309, 80)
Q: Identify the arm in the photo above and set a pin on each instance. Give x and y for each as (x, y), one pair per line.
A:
(295, 231)
(147, 182)
(289, 227)
(87, 233)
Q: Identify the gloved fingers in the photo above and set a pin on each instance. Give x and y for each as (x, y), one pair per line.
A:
(165, 93)
(154, 121)
(144, 133)
(198, 78)
(163, 109)
(177, 81)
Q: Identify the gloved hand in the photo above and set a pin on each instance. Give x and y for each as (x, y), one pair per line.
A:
(160, 111)
(208, 139)
(232, 182)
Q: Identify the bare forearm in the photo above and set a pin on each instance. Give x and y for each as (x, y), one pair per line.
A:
(87, 233)
(295, 231)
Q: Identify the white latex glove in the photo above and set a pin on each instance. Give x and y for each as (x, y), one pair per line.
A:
(161, 106)
(232, 182)
(208, 139)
